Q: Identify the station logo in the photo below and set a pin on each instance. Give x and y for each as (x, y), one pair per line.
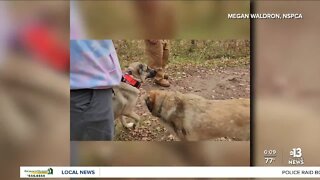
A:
(39, 173)
(296, 157)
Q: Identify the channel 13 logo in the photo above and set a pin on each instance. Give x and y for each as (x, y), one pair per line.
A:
(296, 157)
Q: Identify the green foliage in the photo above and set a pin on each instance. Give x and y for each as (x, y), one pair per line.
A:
(201, 52)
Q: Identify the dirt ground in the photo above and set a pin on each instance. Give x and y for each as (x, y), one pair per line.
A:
(208, 82)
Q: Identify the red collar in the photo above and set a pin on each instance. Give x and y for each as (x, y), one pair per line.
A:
(127, 78)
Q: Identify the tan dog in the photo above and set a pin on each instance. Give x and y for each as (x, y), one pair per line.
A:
(126, 96)
(194, 118)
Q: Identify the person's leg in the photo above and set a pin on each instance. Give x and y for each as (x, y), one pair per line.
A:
(165, 57)
(154, 51)
(91, 115)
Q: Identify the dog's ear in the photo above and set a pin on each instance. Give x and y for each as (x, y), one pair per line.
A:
(140, 67)
(180, 104)
(151, 100)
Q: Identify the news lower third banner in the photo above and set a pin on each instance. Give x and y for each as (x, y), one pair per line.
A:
(168, 172)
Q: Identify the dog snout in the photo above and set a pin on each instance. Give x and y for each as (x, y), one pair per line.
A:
(152, 73)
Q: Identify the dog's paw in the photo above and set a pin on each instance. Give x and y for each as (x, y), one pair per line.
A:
(130, 125)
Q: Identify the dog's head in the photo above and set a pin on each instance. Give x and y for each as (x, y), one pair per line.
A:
(141, 71)
(159, 101)
(169, 107)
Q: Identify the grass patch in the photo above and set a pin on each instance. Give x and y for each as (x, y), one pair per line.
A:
(227, 62)
(228, 53)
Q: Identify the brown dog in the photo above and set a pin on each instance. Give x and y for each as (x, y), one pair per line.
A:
(194, 118)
